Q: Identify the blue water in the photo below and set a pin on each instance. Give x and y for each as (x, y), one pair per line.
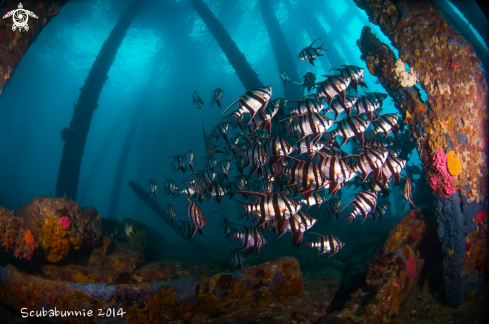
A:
(37, 103)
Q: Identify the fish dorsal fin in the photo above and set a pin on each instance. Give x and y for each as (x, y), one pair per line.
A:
(231, 105)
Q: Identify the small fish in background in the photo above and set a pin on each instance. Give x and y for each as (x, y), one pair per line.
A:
(228, 226)
(196, 218)
(185, 228)
(332, 208)
(408, 191)
(216, 97)
(285, 76)
(211, 148)
(128, 230)
(172, 213)
(326, 244)
(197, 101)
(210, 162)
(251, 237)
(152, 187)
(170, 185)
(237, 259)
(309, 53)
(308, 81)
(381, 209)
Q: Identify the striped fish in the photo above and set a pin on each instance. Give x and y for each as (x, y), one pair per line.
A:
(355, 73)
(264, 119)
(408, 191)
(170, 185)
(307, 124)
(377, 96)
(251, 237)
(337, 106)
(195, 97)
(209, 143)
(223, 169)
(370, 160)
(275, 145)
(308, 81)
(376, 186)
(374, 142)
(210, 162)
(332, 208)
(172, 213)
(316, 199)
(381, 209)
(392, 168)
(262, 185)
(216, 97)
(326, 244)
(335, 170)
(196, 218)
(306, 175)
(228, 226)
(285, 76)
(202, 178)
(152, 187)
(350, 127)
(306, 146)
(219, 190)
(366, 105)
(309, 53)
(188, 160)
(332, 86)
(297, 225)
(363, 204)
(257, 156)
(185, 228)
(385, 124)
(252, 102)
(188, 190)
(220, 130)
(270, 206)
(307, 105)
(237, 259)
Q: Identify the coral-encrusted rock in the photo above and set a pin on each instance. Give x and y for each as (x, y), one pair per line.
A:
(275, 285)
(390, 278)
(49, 228)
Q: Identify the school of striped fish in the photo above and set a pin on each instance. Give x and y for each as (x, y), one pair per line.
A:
(288, 157)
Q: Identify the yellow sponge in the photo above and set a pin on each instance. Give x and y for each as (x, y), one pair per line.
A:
(453, 163)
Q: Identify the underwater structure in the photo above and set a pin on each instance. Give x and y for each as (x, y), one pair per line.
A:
(390, 126)
(75, 136)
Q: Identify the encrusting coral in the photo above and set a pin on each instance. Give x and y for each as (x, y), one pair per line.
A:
(49, 228)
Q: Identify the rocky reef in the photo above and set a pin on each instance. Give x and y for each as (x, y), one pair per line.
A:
(449, 130)
(127, 274)
(49, 229)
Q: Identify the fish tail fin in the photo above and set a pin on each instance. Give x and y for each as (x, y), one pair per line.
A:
(350, 218)
(308, 244)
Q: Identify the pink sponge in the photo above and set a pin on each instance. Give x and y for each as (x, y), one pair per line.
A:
(65, 222)
(442, 176)
(411, 266)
